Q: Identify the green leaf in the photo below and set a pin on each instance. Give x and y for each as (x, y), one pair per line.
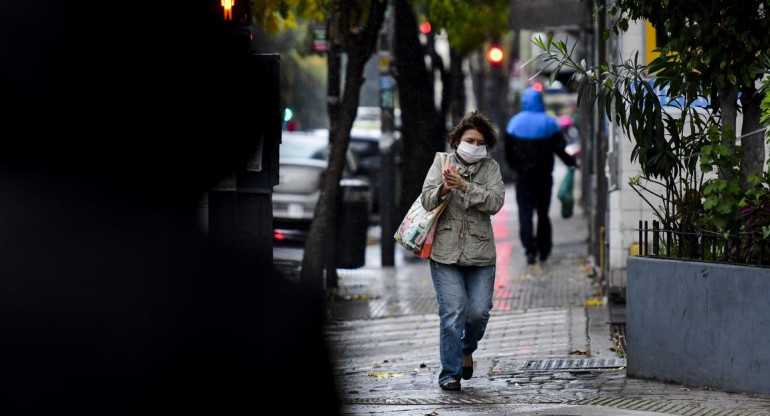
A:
(724, 206)
(710, 202)
(623, 24)
(733, 188)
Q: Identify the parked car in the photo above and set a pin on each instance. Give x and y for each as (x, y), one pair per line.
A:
(365, 144)
(303, 160)
(369, 118)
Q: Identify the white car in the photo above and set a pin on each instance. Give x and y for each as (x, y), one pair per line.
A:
(303, 158)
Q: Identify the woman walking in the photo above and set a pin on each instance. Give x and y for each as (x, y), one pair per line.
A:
(462, 261)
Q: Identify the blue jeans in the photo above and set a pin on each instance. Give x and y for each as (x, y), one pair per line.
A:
(464, 300)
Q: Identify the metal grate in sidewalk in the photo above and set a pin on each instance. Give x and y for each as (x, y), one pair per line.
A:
(586, 364)
(667, 407)
(405, 401)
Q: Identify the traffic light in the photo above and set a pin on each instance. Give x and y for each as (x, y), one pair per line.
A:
(495, 56)
(289, 124)
(425, 27)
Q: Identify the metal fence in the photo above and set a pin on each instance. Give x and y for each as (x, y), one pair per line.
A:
(692, 244)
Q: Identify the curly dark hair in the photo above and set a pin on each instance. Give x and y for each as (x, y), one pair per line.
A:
(473, 120)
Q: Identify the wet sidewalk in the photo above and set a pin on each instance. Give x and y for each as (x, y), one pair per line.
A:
(547, 350)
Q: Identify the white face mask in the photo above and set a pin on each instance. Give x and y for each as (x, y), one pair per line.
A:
(471, 153)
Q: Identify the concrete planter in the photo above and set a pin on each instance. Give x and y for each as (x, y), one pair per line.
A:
(699, 324)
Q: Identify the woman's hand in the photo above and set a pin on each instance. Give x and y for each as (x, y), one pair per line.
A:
(452, 178)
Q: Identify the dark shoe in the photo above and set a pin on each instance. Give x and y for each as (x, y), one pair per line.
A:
(543, 258)
(531, 259)
(467, 370)
(451, 385)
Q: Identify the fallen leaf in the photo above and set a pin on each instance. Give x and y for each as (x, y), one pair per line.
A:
(353, 392)
(684, 389)
(384, 361)
(577, 352)
(385, 374)
(433, 413)
(359, 297)
(423, 365)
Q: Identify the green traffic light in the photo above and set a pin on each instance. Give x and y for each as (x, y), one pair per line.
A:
(287, 114)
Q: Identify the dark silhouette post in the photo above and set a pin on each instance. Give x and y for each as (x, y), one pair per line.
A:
(387, 149)
(113, 299)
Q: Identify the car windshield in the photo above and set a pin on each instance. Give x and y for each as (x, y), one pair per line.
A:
(300, 147)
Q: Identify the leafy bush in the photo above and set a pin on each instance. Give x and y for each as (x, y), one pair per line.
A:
(683, 148)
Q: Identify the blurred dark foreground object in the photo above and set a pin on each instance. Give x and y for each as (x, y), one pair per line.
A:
(117, 118)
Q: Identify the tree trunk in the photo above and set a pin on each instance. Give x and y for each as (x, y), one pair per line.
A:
(457, 90)
(753, 144)
(729, 110)
(422, 126)
(359, 48)
(476, 68)
(446, 85)
(334, 65)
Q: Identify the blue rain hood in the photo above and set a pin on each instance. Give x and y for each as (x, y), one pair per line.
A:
(532, 100)
(532, 123)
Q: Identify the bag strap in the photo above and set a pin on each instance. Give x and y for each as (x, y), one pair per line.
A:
(444, 157)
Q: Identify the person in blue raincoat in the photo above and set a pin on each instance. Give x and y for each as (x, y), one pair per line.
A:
(532, 138)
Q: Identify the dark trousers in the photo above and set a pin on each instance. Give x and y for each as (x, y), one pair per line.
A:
(533, 195)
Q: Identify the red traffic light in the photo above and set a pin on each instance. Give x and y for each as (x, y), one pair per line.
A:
(495, 55)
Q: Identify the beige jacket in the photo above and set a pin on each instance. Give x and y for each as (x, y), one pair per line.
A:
(464, 230)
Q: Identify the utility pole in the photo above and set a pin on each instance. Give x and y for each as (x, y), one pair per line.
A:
(494, 83)
(600, 148)
(387, 156)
